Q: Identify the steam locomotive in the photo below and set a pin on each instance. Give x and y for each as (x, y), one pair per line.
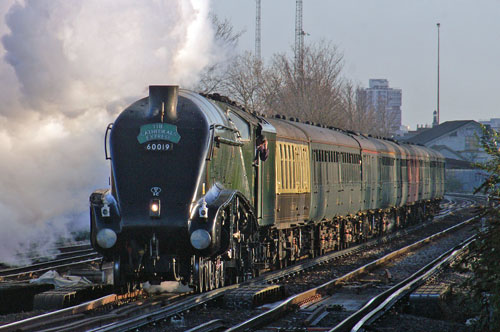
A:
(191, 200)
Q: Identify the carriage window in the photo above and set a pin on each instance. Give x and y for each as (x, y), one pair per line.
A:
(241, 125)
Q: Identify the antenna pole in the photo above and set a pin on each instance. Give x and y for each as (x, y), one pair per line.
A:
(257, 31)
(438, 26)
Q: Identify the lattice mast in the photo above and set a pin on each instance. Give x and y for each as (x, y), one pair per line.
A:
(299, 38)
(257, 31)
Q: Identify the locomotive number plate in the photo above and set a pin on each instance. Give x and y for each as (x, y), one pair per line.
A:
(159, 146)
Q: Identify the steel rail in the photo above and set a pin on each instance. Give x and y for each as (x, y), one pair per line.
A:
(46, 266)
(213, 325)
(65, 254)
(60, 252)
(381, 303)
(163, 313)
(323, 290)
(39, 320)
(56, 252)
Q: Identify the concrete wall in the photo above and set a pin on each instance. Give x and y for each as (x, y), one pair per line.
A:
(464, 180)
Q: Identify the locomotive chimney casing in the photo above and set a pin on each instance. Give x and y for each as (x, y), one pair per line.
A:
(163, 102)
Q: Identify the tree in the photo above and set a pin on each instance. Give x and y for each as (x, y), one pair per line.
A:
(244, 82)
(313, 93)
(490, 142)
(316, 92)
(485, 284)
(359, 115)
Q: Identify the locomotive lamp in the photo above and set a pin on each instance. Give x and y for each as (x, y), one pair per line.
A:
(108, 205)
(107, 200)
(106, 238)
(200, 239)
(154, 207)
(203, 211)
(105, 210)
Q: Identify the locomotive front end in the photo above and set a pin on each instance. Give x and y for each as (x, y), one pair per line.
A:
(158, 147)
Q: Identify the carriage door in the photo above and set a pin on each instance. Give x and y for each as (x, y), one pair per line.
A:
(259, 179)
(265, 184)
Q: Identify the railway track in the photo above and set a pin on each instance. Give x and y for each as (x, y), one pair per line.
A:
(383, 302)
(164, 309)
(69, 256)
(329, 292)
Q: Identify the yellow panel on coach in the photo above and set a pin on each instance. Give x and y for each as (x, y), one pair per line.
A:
(293, 174)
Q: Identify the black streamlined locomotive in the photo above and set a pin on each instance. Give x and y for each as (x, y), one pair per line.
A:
(191, 201)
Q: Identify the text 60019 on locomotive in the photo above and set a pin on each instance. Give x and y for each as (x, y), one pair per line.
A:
(205, 193)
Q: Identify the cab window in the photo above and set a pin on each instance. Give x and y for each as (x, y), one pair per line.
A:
(241, 125)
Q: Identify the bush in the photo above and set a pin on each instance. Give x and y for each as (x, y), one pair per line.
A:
(485, 253)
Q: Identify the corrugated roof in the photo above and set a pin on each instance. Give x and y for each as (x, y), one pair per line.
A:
(438, 131)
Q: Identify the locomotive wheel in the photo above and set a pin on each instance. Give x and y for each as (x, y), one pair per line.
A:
(203, 277)
(219, 274)
(211, 275)
(117, 273)
(198, 274)
(216, 275)
(206, 275)
(119, 279)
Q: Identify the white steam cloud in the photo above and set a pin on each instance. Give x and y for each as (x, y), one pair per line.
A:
(66, 69)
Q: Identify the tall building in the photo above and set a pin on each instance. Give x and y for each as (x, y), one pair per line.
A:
(386, 102)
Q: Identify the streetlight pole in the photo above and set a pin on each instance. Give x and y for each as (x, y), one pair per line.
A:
(438, 25)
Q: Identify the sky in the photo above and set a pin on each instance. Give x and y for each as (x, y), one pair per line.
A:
(395, 40)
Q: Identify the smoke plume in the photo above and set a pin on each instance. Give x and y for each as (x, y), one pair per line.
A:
(67, 68)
